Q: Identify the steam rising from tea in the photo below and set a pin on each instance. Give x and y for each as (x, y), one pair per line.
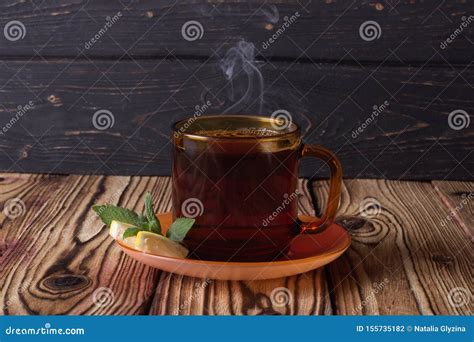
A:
(241, 60)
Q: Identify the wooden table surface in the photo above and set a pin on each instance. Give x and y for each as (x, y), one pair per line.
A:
(56, 256)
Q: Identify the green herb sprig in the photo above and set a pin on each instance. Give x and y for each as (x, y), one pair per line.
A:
(146, 222)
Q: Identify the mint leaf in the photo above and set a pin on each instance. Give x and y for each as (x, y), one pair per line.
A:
(132, 231)
(109, 213)
(180, 228)
(153, 223)
(147, 222)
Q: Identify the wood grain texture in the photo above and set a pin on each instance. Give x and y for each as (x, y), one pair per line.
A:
(60, 258)
(411, 31)
(410, 139)
(14, 187)
(458, 198)
(403, 260)
(306, 293)
(406, 258)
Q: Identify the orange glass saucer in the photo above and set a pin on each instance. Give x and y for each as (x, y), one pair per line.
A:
(307, 252)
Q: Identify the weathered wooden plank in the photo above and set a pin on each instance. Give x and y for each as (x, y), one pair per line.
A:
(406, 257)
(68, 264)
(14, 187)
(459, 200)
(410, 31)
(332, 103)
(301, 295)
(402, 259)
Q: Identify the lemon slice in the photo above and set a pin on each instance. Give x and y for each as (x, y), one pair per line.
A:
(118, 228)
(130, 241)
(159, 245)
(116, 231)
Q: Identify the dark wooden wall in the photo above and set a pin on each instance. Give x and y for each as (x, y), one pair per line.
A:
(147, 75)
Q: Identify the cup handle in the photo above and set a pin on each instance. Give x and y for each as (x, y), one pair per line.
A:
(310, 224)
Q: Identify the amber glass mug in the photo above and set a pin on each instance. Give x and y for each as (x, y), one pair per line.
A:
(237, 176)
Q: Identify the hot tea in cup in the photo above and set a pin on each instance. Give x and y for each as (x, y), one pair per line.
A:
(237, 176)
